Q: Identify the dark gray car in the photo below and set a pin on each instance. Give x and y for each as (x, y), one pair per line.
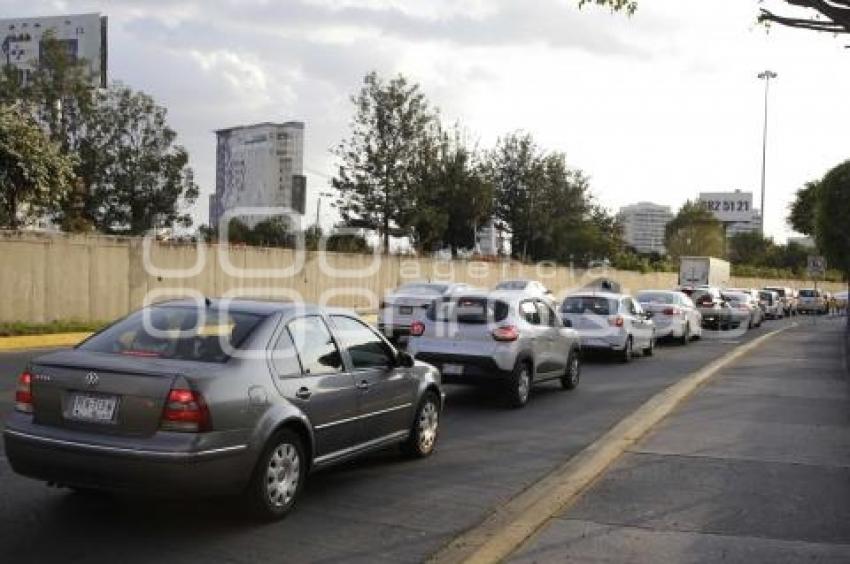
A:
(228, 397)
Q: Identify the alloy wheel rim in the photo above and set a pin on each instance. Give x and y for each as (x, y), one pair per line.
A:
(282, 475)
(429, 421)
(574, 370)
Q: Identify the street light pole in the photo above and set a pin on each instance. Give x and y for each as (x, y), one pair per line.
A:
(766, 76)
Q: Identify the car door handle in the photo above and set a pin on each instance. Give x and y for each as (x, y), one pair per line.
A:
(303, 393)
(362, 385)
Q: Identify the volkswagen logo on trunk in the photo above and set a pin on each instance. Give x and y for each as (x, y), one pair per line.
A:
(92, 379)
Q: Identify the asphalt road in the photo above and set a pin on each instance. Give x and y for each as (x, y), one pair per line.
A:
(381, 508)
(754, 468)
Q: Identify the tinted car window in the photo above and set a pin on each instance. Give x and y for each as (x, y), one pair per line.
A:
(468, 310)
(366, 349)
(547, 315)
(589, 304)
(808, 293)
(657, 298)
(177, 333)
(284, 356)
(316, 348)
(512, 285)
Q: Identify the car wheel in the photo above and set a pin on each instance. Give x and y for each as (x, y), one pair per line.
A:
(570, 379)
(426, 427)
(650, 350)
(626, 355)
(686, 335)
(279, 476)
(519, 387)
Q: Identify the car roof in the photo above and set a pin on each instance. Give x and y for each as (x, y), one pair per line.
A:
(255, 306)
(594, 294)
(660, 292)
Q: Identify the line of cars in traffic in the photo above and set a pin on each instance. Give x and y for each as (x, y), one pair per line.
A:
(248, 397)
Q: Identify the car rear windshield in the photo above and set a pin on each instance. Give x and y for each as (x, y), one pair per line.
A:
(702, 297)
(780, 291)
(808, 294)
(512, 285)
(176, 333)
(656, 298)
(589, 304)
(468, 310)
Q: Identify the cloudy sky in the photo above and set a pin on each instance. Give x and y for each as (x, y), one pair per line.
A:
(655, 107)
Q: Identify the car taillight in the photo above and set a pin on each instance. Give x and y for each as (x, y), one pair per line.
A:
(616, 321)
(506, 333)
(672, 311)
(417, 328)
(185, 410)
(23, 393)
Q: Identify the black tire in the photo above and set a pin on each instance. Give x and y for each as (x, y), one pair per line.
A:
(627, 353)
(282, 446)
(686, 336)
(519, 385)
(650, 350)
(425, 429)
(572, 373)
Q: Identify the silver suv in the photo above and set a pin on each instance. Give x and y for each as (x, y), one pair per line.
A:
(508, 339)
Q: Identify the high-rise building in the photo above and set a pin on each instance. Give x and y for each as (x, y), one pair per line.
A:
(84, 36)
(643, 226)
(259, 166)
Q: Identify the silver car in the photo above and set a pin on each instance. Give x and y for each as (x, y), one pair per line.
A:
(610, 322)
(237, 397)
(408, 302)
(771, 304)
(674, 314)
(506, 339)
(744, 310)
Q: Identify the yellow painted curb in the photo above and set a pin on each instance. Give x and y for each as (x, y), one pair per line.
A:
(500, 534)
(41, 341)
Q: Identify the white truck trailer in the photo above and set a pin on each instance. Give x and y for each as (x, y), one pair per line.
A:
(698, 271)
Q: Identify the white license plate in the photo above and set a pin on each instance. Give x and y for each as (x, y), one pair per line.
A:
(405, 310)
(452, 369)
(93, 408)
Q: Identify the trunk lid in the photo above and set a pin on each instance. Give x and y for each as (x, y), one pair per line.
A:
(102, 393)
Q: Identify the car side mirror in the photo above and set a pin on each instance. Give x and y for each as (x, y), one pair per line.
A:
(568, 323)
(405, 360)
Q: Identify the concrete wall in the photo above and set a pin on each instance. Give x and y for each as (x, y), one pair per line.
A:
(46, 277)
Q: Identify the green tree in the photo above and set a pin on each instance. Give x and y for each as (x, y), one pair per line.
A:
(694, 231)
(628, 6)
(514, 170)
(452, 196)
(33, 171)
(750, 248)
(136, 177)
(392, 125)
(832, 217)
(802, 210)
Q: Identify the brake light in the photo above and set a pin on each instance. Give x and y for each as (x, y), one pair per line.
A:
(616, 321)
(506, 333)
(672, 311)
(186, 411)
(417, 328)
(23, 393)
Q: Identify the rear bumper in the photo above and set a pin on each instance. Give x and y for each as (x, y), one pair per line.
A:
(476, 369)
(197, 472)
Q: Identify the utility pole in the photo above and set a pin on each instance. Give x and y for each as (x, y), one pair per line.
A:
(766, 76)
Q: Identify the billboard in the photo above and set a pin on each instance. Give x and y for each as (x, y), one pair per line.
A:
(729, 207)
(83, 36)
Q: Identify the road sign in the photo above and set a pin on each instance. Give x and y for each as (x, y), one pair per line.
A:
(817, 266)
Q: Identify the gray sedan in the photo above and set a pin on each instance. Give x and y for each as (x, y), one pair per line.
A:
(225, 397)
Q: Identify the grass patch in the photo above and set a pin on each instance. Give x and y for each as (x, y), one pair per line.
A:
(21, 328)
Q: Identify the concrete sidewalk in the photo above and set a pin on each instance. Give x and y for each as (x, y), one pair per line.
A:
(754, 468)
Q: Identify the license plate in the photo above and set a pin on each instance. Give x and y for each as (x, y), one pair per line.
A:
(93, 408)
(452, 369)
(405, 310)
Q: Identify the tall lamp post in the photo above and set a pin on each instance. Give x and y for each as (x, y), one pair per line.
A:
(766, 76)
